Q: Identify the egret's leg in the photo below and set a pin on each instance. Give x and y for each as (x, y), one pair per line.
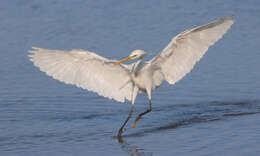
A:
(121, 130)
(148, 110)
(134, 94)
(143, 113)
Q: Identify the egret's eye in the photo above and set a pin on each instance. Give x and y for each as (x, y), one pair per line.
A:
(134, 55)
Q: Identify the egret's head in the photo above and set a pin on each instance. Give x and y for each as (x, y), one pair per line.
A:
(136, 54)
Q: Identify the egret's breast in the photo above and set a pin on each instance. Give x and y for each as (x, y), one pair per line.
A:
(143, 79)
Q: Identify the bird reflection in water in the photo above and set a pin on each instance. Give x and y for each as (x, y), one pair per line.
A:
(132, 149)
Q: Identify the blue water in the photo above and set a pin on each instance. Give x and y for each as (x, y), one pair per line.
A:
(214, 110)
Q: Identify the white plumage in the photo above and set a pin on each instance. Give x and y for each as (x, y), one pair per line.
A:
(118, 81)
(187, 48)
(84, 69)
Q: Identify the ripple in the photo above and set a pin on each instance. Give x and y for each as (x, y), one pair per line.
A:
(207, 114)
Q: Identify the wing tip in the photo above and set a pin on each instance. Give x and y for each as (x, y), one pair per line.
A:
(34, 49)
(230, 18)
(223, 20)
(32, 53)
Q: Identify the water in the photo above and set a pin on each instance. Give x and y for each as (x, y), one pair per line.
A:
(214, 110)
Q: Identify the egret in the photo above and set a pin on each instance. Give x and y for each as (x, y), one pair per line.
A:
(121, 82)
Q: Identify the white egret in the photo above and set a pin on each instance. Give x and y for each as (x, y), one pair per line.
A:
(121, 82)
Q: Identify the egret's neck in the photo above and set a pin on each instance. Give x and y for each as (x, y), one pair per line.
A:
(137, 65)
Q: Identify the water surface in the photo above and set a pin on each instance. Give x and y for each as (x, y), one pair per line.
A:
(214, 110)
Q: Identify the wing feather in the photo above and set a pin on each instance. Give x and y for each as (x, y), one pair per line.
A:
(86, 70)
(181, 54)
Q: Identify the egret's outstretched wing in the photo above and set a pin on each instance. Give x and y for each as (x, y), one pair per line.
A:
(86, 70)
(181, 54)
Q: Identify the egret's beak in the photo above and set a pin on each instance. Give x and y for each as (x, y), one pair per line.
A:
(124, 60)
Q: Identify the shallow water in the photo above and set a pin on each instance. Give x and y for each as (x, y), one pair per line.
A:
(214, 110)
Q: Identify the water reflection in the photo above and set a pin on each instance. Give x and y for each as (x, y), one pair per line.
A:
(132, 149)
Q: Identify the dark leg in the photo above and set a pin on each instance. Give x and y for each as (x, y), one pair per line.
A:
(121, 130)
(141, 114)
(134, 94)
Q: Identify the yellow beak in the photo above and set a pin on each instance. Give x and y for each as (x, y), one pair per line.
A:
(124, 60)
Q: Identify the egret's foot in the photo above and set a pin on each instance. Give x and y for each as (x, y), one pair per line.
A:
(140, 116)
(120, 132)
(136, 120)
